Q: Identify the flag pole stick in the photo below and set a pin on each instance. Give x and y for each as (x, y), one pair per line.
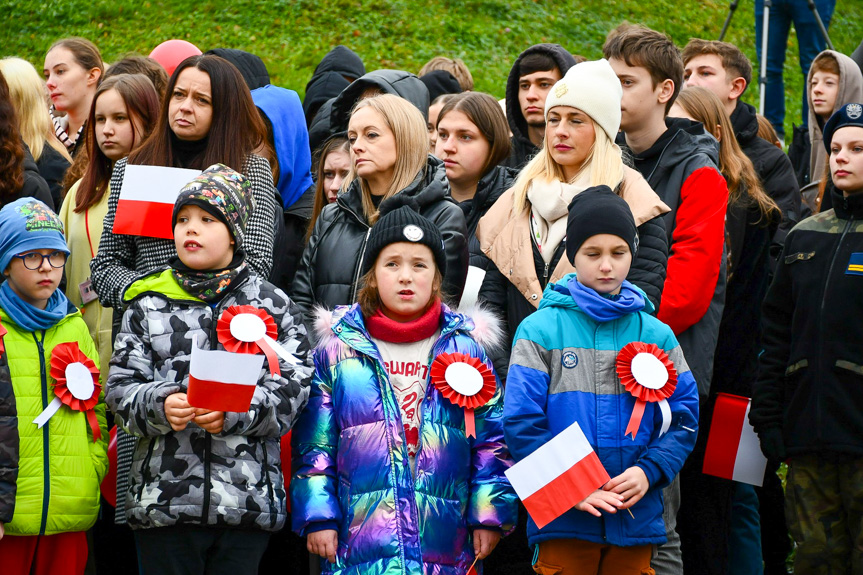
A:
(475, 559)
(630, 513)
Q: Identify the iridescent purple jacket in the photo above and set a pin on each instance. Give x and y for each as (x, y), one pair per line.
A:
(351, 469)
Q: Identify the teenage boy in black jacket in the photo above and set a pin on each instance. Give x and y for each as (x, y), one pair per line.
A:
(807, 403)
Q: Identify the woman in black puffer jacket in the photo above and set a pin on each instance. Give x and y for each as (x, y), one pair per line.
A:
(389, 143)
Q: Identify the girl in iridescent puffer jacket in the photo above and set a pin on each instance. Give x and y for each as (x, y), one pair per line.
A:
(399, 465)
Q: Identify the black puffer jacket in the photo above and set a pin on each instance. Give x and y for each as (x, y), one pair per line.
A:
(522, 148)
(775, 170)
(52, 167)
(34, 186)
(330, 269)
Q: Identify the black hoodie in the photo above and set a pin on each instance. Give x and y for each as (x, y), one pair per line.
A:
(343, 61)
(522, 148)
(252, 68)
(320, 89)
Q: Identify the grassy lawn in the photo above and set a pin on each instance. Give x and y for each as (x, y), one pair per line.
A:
(292, 35)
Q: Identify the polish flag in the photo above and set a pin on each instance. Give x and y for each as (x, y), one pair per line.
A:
(733, 450)
(557, 476)
(223, 381)
(147, 199)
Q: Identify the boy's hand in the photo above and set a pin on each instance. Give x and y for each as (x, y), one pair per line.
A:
(632, 484)
(323, 543)
(1, 530)
(601, 500)
(484, 541)
(210, 421)
(178, 411)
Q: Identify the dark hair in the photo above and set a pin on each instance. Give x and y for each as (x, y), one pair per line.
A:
(536, 62)
(335, 143)
(235, 132)
(638, 45)
(137, 64)
(484, 111)
(142, 103)
(86, 53)
(11, 147)
(733, 59)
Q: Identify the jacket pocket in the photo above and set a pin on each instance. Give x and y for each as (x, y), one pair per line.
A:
(265, 469)
(145, 466)
(544, 568)
(799, 257)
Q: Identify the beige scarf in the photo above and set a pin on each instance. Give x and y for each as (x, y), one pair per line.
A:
(548, 209)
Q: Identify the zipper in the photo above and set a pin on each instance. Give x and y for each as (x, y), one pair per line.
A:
(821, 323)
(46, 439)
(208, 438)
(359, 266)
(267, 476)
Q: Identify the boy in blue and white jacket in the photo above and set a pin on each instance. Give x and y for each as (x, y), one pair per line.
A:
(563, 370)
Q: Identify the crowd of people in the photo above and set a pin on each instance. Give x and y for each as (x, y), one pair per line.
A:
(446, 284)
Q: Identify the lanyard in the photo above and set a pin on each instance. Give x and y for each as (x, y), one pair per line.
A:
(87, 228)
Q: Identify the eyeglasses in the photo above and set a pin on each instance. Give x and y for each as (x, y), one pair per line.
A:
(34, 260)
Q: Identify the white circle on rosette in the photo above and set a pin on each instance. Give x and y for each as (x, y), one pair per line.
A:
(248, 327)
(649, 371)
(79, 381)
(464, 378)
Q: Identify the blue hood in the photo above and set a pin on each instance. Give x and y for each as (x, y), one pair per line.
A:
(283, 109)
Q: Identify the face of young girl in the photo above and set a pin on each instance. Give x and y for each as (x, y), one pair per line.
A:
(69, 84)
(846, 159)
(405, 273)
(115, 129)
(202, 241)
(462, 147)
(35, 286)
(337, 166)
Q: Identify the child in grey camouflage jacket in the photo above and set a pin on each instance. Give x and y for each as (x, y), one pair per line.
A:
(206, 487)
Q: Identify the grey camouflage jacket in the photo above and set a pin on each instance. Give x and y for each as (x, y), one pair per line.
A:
(191, 477)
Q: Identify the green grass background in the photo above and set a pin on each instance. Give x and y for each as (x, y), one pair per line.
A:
(292, 36)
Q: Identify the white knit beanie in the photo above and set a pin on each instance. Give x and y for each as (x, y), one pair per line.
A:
(593, 88)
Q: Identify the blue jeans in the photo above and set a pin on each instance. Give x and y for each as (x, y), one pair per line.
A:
(782, 14)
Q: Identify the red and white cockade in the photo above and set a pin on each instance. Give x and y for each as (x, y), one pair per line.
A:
(465, 381)
(247, 329)
(77, 385)
(649, 375)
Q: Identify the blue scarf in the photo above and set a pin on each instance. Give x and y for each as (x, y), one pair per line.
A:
(31, 318)
(606, 308)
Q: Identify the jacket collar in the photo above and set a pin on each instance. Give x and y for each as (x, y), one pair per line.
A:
(847, 208)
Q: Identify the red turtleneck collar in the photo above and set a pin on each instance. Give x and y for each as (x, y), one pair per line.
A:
(386, 329)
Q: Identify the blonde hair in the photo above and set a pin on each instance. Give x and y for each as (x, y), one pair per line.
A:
(30, 99)
(605, 163)
(412, 141)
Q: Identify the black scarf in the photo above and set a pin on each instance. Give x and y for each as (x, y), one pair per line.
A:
(210, 285)
(189, 153)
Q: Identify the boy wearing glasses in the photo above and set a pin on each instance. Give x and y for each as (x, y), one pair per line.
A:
(52, 453)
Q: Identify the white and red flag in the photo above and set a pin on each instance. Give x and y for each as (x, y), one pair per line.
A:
(557, 476)
(147, 199)
(223, 381)
(733, 450)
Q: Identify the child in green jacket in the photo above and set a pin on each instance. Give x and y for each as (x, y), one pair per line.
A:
(53, 437)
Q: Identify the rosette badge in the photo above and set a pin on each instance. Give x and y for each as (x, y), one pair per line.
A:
(247, 329)
(466, 382)
(76, 385)
(649, 375)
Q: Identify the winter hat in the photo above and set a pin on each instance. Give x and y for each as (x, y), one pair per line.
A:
(223, 193)
(400, 221)
(847, 115)
(598, 210)
(593, 88)
(440, 82)
(28, 224)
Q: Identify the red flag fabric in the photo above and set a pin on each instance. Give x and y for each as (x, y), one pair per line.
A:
(147, 198)
(223, 381)
(733, 450)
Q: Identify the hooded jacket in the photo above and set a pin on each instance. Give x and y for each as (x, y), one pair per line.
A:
(774, 169)
(850, 90)
(516, 274)
(563, 371)
(522, 148)
(320, 89)
(291, 138)
(402, 84)
(52, 166)
(811, 370)
(229, 479)
(35, 185)
(329, 272)
(252, 68)
(350, 459)
(49, 476)
(681, 168)
(343, 61)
